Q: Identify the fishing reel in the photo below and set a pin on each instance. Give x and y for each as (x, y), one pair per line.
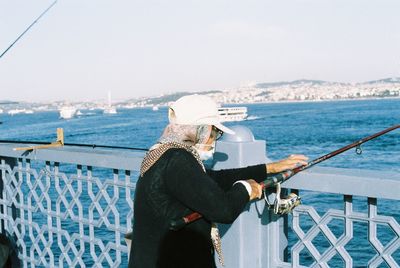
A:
(283, 205)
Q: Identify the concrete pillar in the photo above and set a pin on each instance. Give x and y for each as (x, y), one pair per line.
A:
(255, 238)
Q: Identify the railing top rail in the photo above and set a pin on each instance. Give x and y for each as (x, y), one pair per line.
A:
(116, 159)
(370, 183)
(377, 184)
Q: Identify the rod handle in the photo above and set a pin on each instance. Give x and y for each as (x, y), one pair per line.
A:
(272, 180)
(178, 224)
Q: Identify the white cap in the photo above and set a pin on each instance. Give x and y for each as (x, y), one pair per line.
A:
(196, 110)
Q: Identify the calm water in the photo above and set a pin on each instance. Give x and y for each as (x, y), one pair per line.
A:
(308, 128)
(313, 129)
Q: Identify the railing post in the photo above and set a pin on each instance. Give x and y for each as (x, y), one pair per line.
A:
(256, 238)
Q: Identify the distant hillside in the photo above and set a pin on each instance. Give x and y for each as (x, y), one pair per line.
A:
(392, 80)
(164, 99)
(295, 83)
(302, 89)
(321, 82)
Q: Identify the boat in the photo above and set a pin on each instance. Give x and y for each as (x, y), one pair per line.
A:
(155, 108)
(16, 111)
(229, 114)
(67, 112)
(109, 109)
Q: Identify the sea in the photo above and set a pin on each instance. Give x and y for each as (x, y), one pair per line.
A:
(309, 128)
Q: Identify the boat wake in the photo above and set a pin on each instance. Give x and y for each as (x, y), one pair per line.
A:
(88, 114)
(252, 117)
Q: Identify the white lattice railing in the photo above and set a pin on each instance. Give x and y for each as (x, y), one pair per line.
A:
(328, 237)
(69, 215)
(338, 243)
(71, 208)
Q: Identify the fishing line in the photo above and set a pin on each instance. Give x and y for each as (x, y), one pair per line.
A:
(27, 29)
(93, 146)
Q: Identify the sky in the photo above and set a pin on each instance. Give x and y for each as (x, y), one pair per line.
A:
(81, 49)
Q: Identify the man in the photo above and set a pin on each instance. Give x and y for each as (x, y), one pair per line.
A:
(173, 183)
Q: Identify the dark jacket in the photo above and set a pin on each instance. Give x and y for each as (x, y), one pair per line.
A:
(8, 252)
(173, 187)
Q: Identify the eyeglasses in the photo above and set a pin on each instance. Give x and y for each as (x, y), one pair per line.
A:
(216, 133)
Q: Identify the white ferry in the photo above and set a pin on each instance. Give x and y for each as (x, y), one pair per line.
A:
(67, 112)
(228, 114)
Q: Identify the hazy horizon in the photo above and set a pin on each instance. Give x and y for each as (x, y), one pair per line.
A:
(80, 50)
(104, 98)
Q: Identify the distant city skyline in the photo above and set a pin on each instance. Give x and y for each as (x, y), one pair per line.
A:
(82, 49)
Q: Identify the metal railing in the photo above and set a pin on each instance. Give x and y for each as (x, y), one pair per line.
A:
(68, 207)
(360, 191)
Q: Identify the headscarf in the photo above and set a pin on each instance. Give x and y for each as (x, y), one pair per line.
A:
(177, 136)
(185, 134)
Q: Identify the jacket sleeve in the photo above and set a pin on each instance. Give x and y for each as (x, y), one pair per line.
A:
(226, 177)
(187, 182)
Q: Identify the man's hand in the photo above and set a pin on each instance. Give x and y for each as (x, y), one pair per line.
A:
(291, 162)
(256, 190)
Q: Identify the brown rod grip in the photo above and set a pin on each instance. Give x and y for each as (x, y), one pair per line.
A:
(178, 224)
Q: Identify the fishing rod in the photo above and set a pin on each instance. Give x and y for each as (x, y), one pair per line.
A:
(276, 179)
(93, 146)
(27, 29)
